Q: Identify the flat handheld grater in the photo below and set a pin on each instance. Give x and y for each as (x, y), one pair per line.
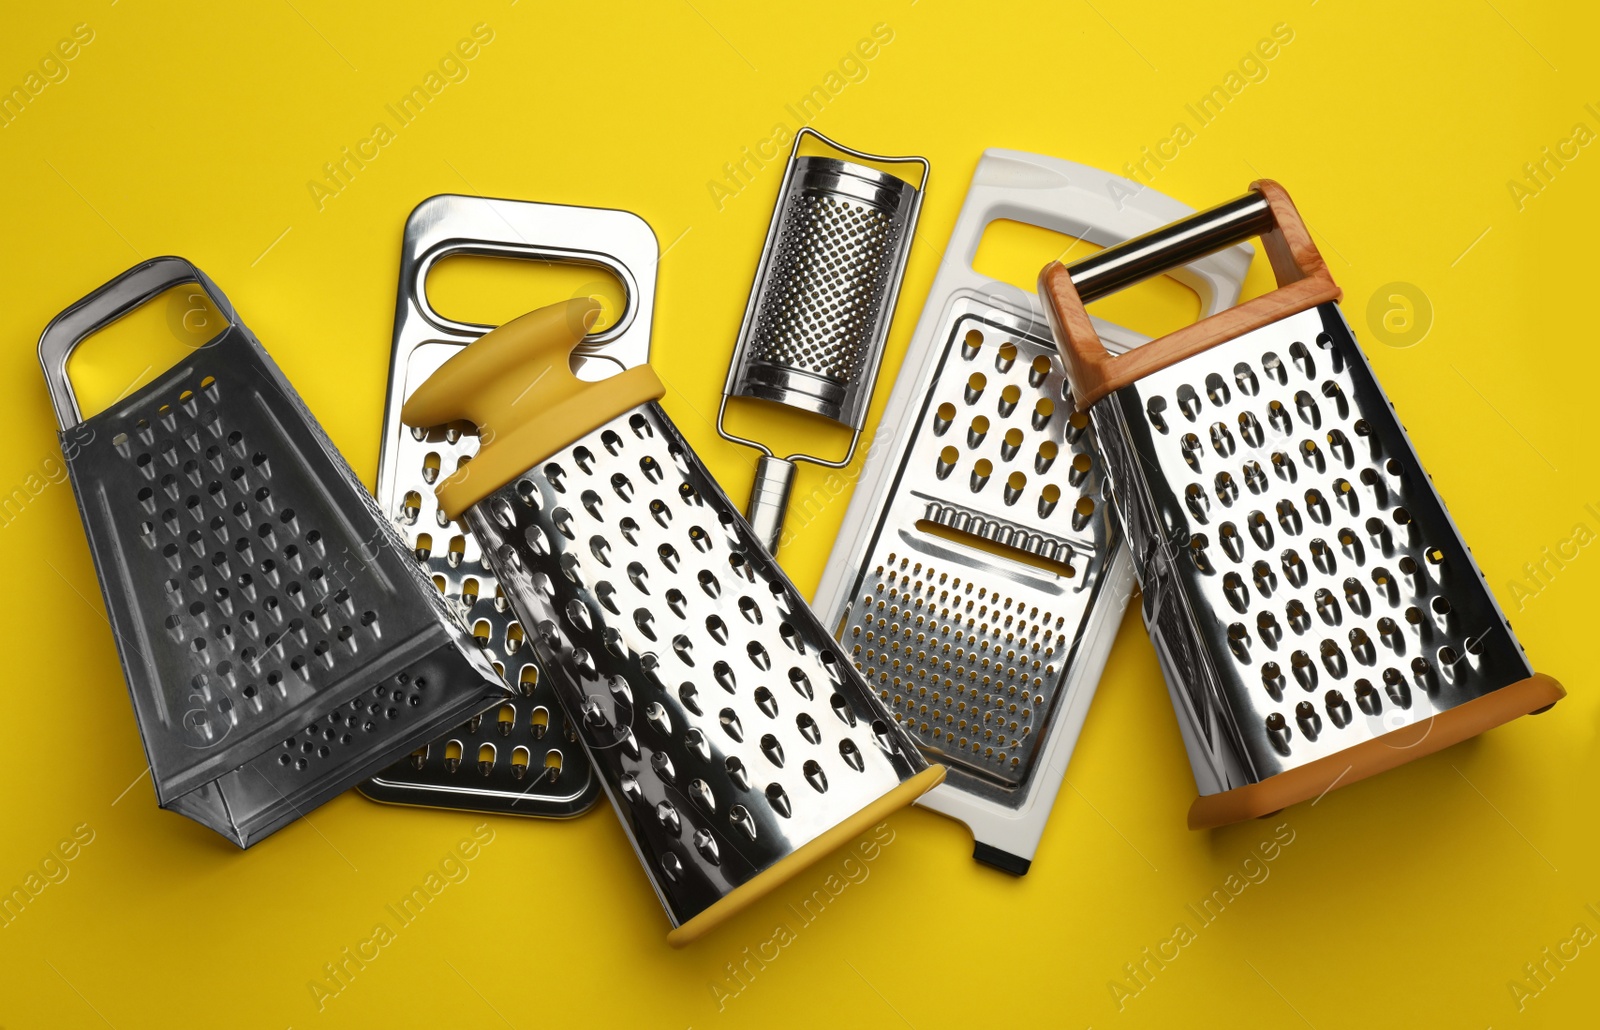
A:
(278, 643)
(974, 583)
(735, 742)
(1317, 615)
(820, 307)
(522, 758)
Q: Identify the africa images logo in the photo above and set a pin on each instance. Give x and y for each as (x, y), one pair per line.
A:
(339, 173)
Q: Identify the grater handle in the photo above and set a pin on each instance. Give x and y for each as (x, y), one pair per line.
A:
(1082, 203)
(133, 288)
(1303, 282)
(1170, 246)
(516, 385)
(615, 243)
(862, 155)
(769, 499)
(524, 361)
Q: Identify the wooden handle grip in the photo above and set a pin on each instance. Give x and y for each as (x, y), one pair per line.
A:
(1303, 282)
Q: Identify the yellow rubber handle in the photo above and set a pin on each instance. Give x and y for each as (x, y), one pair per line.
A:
(515, 384)
(490, 379)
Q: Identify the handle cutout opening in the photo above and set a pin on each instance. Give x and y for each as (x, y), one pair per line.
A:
(479, 289)
(756, 419)
(121, 358)
(1013, 252)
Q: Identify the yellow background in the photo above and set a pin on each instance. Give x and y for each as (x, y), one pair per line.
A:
(1413, 899)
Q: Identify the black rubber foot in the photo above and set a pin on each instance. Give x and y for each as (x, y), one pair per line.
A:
(1004, 861)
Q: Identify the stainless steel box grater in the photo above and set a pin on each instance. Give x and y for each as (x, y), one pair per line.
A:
(821, 304)
(974, 582)
(1317, 615)
(522, 758)
(278, 643)
(735, 743)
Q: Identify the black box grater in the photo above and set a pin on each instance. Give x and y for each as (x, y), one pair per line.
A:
(278, 642)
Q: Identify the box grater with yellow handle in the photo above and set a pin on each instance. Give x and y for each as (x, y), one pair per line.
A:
(1317, 615)
(734, 740)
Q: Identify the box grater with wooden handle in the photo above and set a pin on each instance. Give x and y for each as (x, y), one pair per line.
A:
(734, 740)
(278, 640)
(523, 757)
(975, 582)
(1317, 615)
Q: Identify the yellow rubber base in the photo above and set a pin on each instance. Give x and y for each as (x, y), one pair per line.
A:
(1376, 755)
(785, 868)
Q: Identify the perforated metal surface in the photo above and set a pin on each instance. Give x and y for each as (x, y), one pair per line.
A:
(826, 283)
(278, 645)
(1306, 587)
(821, 299)
(969, 649)
(522, 758)
(724, 724)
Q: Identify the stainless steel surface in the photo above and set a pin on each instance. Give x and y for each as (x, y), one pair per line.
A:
(726, 727)
(769, 499)
(522, 758)
(969, 649)
(824, 295)
(278, 643)
(824, 292)
(1303, 582)
(1179, 243)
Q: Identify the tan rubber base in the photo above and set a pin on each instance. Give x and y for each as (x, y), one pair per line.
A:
(1376, 755)
(785, 868)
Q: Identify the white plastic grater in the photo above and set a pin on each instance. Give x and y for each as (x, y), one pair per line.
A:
(989, 657)
(1317, 615)
(521, 758)
(278, 642)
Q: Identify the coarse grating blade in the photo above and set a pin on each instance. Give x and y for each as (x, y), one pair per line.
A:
(1316, 612)
(279, 645)
(522, 758)
(734, 740)
(976, 583)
